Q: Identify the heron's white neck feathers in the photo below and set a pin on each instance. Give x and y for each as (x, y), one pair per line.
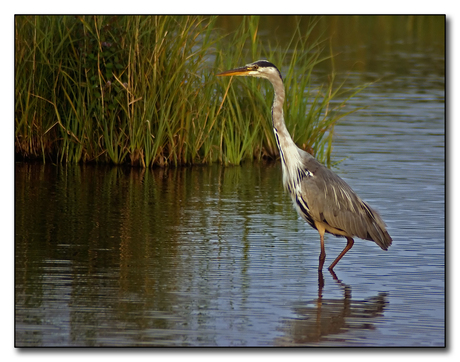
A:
(289, 152)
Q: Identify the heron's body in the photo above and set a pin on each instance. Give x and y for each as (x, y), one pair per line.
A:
(320, 197)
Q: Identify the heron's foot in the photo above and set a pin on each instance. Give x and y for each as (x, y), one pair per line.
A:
(334, 276)
(320, 281)
(322, 258)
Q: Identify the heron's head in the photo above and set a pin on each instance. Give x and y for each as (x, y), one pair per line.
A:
(259, 69)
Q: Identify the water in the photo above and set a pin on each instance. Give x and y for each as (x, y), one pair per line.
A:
(213, 256)
(209, 256)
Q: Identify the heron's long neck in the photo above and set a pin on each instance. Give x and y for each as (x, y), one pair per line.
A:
(290, 157)
(285, 143)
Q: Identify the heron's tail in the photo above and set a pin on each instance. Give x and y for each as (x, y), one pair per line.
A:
(376, 228)
(384, 240)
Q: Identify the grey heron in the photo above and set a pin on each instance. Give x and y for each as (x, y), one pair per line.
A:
(321, 198)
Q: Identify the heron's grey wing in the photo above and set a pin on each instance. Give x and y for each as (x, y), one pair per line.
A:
(333, 202)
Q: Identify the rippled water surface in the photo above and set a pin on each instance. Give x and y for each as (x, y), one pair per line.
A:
(214, 256)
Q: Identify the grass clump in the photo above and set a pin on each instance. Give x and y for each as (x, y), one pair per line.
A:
(142, 90)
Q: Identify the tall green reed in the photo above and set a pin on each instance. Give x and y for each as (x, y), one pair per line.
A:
(142, 90)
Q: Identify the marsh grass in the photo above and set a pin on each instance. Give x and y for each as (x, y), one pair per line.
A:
(142, 90)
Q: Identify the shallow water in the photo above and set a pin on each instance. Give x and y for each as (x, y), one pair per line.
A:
(214, 256)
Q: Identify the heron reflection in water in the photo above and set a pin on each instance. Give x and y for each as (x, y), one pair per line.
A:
(321, 198)
(337, 321)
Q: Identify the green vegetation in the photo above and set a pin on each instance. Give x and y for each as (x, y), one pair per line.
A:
(142, 90)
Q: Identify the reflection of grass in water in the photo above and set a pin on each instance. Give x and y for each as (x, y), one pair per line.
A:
(142, 90)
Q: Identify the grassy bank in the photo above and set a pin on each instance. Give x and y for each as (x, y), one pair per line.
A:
(142, 90)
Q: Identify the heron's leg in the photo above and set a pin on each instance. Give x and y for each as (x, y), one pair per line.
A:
(320, 283)
(350, 243)
(322, 255)
(334, 276)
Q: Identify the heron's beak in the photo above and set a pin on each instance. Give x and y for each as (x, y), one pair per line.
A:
(236, 71)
